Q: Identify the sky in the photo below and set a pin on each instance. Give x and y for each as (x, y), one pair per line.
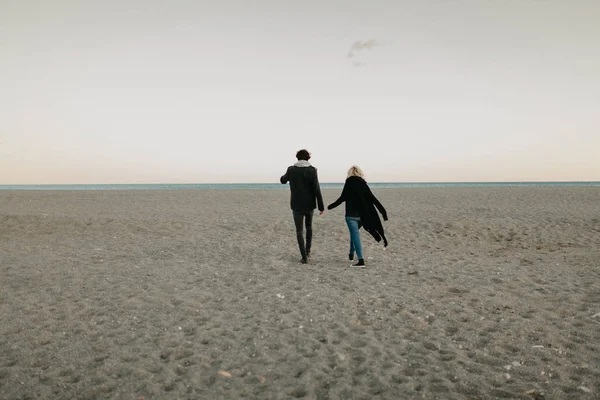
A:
(224, 91)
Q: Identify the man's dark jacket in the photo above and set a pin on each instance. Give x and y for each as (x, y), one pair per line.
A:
(304, 187)
(361, 202)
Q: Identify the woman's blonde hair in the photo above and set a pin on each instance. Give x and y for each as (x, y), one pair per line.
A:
(355, 171)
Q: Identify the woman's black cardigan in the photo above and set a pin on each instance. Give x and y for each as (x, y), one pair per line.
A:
(359, 198)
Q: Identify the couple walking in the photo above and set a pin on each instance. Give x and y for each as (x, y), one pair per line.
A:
(360, 206)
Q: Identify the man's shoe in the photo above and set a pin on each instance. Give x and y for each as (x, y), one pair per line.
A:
(351, 257)
(360, 263)
(304, 261)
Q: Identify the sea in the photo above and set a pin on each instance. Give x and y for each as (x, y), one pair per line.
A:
(275, 186)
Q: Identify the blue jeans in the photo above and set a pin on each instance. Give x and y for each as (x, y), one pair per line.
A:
(353, 226)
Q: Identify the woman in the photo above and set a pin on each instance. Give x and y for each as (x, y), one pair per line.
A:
(360, 211)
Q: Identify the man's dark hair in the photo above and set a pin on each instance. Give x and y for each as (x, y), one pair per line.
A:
(303, 155)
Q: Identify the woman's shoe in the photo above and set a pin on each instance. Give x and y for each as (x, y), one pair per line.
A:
(360, 263)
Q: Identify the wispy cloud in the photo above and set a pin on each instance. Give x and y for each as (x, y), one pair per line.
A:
(366, 44)
(361, 45)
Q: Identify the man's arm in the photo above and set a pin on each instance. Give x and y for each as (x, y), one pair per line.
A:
(317, 192)
(285, 178)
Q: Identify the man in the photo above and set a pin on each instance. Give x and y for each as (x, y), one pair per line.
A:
(304, 188)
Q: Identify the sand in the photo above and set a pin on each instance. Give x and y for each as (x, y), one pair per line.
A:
(483, 293)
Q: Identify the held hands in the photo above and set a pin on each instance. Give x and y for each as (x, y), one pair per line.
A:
(321, 212)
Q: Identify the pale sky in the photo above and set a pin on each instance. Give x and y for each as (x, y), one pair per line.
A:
(227, 91)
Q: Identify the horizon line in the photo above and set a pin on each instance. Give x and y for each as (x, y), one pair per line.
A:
(277, 183)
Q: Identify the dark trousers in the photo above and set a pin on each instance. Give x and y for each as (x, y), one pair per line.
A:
(302, 218)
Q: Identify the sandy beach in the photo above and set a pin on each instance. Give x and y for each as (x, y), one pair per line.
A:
(483, 293)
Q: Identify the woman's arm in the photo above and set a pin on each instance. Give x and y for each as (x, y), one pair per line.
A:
(340, 200)
(378, 205)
